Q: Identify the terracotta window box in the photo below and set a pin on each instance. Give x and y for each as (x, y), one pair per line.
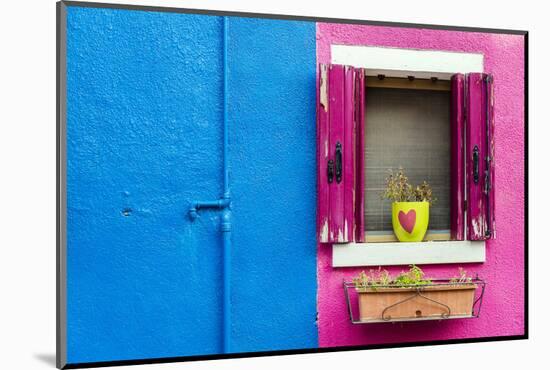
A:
(439, 300)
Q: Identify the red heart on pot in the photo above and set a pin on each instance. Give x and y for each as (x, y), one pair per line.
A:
(407, 220)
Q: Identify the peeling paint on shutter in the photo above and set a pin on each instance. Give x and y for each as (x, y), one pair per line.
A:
(457, 196)
(480, 179)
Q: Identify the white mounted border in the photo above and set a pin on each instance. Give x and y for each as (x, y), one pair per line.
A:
(395, 62)
(387, 254)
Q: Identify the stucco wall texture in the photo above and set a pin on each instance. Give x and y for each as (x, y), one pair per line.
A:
(503, 304)
(136, 131)
(144, 138)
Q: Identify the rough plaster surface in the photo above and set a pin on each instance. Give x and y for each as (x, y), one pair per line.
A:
(502, 312)
(142, 280)
(272, 159)
(144, 136)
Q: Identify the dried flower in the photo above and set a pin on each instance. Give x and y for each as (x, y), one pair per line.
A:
(462, 278)
(398, 189)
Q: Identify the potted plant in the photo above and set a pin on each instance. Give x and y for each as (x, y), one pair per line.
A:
(411, 296)
(410, 207)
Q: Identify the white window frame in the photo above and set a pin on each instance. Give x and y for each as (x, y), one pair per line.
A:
(397, 62)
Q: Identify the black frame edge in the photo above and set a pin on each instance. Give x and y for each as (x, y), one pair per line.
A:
(526, 183)
(61, 124)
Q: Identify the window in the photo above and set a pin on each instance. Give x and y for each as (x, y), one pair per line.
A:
(407, 125)
(347, 154)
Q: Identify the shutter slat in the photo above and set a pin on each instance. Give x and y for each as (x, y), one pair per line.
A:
(491, 141)
(479, 146)
(336, 137)
(349, 148)
(322, 156)
(457, 157)
(360, 96)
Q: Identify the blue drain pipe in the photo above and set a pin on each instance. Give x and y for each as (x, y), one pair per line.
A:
(226, 214)
(223, 204)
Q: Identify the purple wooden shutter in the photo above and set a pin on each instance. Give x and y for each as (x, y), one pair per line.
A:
(323, 196)
(480, 179)
(457, 157)
(337, 154)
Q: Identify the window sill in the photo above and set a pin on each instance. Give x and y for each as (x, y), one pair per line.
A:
(387, 254)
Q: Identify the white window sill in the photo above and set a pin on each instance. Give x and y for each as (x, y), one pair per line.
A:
(388, 254)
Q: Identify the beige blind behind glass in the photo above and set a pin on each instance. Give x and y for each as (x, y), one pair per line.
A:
(410, 129)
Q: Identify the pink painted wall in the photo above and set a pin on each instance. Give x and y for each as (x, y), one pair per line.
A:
(502, 312)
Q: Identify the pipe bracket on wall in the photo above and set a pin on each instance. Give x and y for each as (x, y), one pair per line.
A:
(216, 204)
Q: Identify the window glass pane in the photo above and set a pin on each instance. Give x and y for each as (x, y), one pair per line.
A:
(409, 129)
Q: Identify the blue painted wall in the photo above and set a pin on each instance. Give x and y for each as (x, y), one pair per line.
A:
(144, 136)
(272, 159)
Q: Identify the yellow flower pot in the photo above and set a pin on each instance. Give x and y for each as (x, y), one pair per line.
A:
(410, 220)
